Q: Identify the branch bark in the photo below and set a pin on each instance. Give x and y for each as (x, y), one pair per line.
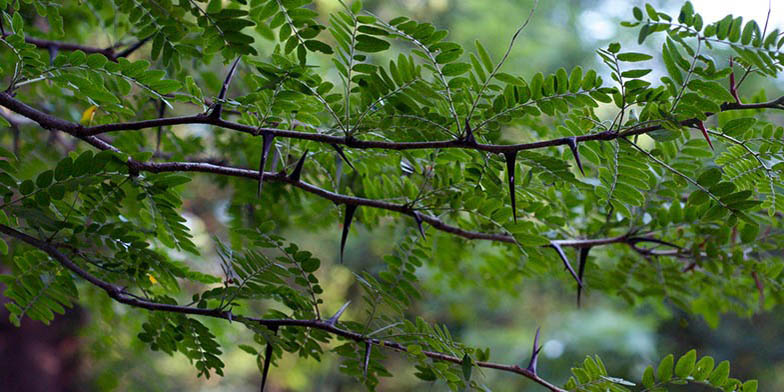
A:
(118, 294)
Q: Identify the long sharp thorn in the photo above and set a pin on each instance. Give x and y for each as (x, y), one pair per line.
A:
(347, 216)
(534, 353)
(510, 170)
(572, 142)
(635, 240)
(701, 127)
(367, 359)
(733, 87)
(265, 147)
(581, 270)
(297, 173)
(469, 133)
(161, 112)
(418, 219)
(342, 155)
(568, 265)
(267, 361)
(334, 319)
(216, 112)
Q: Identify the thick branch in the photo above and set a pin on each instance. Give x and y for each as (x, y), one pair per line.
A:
(51, 122)
(119, 295)
(109, 52)
(385, 145)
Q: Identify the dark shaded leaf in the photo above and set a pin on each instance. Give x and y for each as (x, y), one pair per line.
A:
(467, 367)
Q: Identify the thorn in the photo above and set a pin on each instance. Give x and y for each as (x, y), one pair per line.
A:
(367, 358)
(295, 175)
(572, 142)
(216, 112)
(534, 353)
(418, 218)
(581, 270)
(342, 155)
(635, 240)
(347, 216)
(161, 112)
(733, 87)
(265, 147)
(267, 361)
(510, 175)
(469, 133)
(701, 127)
(568, 266)
(334, 319)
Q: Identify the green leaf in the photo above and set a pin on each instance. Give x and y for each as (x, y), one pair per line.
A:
(318, 46)
(467, 366)
(370, 44)
(685, 364)
(44, 179)
(26, 187)
(634, 57)
(664, 370)
(750, 386)
(738, 126)
(647, 377)
(719, 375)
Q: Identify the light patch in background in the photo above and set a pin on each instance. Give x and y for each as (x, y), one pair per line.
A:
(553, 349)
(714, 10)
(597, 26)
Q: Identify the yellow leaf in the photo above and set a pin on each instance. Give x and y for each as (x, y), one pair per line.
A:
(152, 279)
(87, 115)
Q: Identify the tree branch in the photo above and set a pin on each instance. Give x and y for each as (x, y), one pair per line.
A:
(118, 294)
(69, 46)
(50, 122)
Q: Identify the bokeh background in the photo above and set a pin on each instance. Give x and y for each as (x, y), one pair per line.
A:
(76, 353)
